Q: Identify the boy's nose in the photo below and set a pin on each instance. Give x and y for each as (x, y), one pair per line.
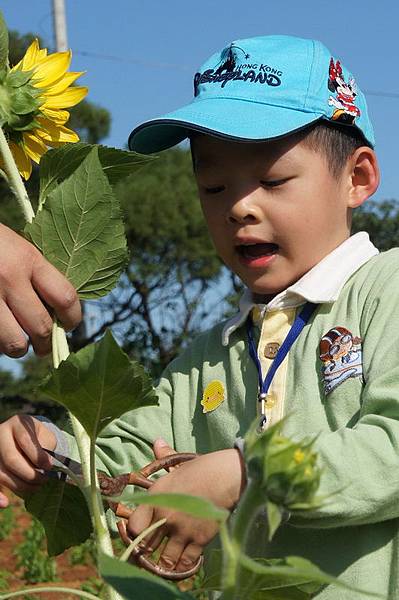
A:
(244, 210)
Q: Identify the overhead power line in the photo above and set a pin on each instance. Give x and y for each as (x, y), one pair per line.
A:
(137, 61)
(180, 67)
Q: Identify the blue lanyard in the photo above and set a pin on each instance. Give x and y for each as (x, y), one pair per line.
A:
(264, 384)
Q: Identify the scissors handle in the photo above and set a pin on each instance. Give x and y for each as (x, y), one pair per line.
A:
(140, 478)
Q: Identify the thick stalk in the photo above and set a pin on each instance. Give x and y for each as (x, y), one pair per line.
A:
(14, 179)
(234, 544)
(87, 460)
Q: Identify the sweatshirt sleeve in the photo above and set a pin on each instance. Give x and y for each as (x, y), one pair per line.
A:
(361, 463)
(126, 443)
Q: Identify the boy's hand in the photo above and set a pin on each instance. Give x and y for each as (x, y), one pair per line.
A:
(217, 476)
(22, 439)
(29, 286)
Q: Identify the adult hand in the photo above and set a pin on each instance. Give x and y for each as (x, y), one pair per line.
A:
(217, 476)
(22, 439)
(31, 291)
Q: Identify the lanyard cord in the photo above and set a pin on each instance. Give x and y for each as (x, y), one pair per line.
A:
(296, 328)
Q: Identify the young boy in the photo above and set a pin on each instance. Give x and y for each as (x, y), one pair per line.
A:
(282, 153)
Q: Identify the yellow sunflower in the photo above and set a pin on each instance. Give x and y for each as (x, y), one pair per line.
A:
(39, 90)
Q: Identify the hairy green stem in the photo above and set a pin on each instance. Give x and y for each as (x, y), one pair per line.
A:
(126, 553)
(14, 179)
(234, 543)
(40, 590)
(87, 457)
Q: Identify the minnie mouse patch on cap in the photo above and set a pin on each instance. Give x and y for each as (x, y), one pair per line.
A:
(345, 110)
(341, 355)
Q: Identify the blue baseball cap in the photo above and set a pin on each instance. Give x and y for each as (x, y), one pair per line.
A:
(262, 88)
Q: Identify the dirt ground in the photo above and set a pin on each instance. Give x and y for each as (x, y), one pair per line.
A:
(67, 575)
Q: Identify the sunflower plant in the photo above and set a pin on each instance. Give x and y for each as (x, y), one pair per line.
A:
(78, 227)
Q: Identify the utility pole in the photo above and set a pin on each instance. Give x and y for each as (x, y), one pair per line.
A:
(60, 29)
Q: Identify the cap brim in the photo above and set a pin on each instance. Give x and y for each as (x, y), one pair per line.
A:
(223, 117)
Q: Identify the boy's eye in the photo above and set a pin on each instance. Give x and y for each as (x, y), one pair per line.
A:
(214, 190)
(273, 183)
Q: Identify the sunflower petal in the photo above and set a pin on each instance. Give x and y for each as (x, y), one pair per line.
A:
(51, 69)
(23, 163)
(33, 146)
(31, 55)
(60, 117)
(49, 132)
(27, 62)
(67, 99)
(62, 84)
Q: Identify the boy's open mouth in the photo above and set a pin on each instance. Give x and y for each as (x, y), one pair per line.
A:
(257, 250)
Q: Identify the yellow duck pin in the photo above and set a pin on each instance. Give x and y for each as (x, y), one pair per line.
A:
(213, 396)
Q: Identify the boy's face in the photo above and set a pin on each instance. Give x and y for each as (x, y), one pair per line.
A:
(272, 208)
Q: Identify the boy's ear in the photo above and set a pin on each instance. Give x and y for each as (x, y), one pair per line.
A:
(364, 176)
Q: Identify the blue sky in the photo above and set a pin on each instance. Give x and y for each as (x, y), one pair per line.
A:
(140, 56)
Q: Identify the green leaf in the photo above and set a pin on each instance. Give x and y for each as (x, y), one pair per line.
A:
(18, 78)
(57, 165)
(274, 517)
(3, 42)
(23, 102)
(265, 585)
(98, 384)
(296, 570)
(80, 230)
(62, 510)
(193, 505)
(136, 584)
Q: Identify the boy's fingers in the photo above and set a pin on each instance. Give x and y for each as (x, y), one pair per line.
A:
(162, 449)
(33, 317)
(139, 520)
(171, 553)
(57, 292)
(13, 341)
(155, 541)
(189, 557)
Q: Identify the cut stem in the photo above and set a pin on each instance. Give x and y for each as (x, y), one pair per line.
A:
(15, 179)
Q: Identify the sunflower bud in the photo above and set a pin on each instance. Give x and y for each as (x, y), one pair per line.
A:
(285, 471)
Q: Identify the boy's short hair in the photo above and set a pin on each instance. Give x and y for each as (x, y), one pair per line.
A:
(265, 88)
(336, 143)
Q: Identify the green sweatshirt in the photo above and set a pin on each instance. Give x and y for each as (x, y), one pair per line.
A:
(341, 381)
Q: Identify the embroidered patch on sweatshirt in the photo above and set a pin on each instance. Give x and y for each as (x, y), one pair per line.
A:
(341, 355)
(213, 396)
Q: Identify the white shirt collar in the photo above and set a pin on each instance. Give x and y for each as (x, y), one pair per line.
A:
(323, 283)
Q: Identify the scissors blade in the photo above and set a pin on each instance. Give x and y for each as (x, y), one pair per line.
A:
(65, 465)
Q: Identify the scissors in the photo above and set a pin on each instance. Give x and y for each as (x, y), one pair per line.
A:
(71, 470)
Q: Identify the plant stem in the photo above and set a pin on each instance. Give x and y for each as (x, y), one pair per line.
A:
(126, 553)
(14, 179)
(234, 544)
(39, 590)
(87, 457)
